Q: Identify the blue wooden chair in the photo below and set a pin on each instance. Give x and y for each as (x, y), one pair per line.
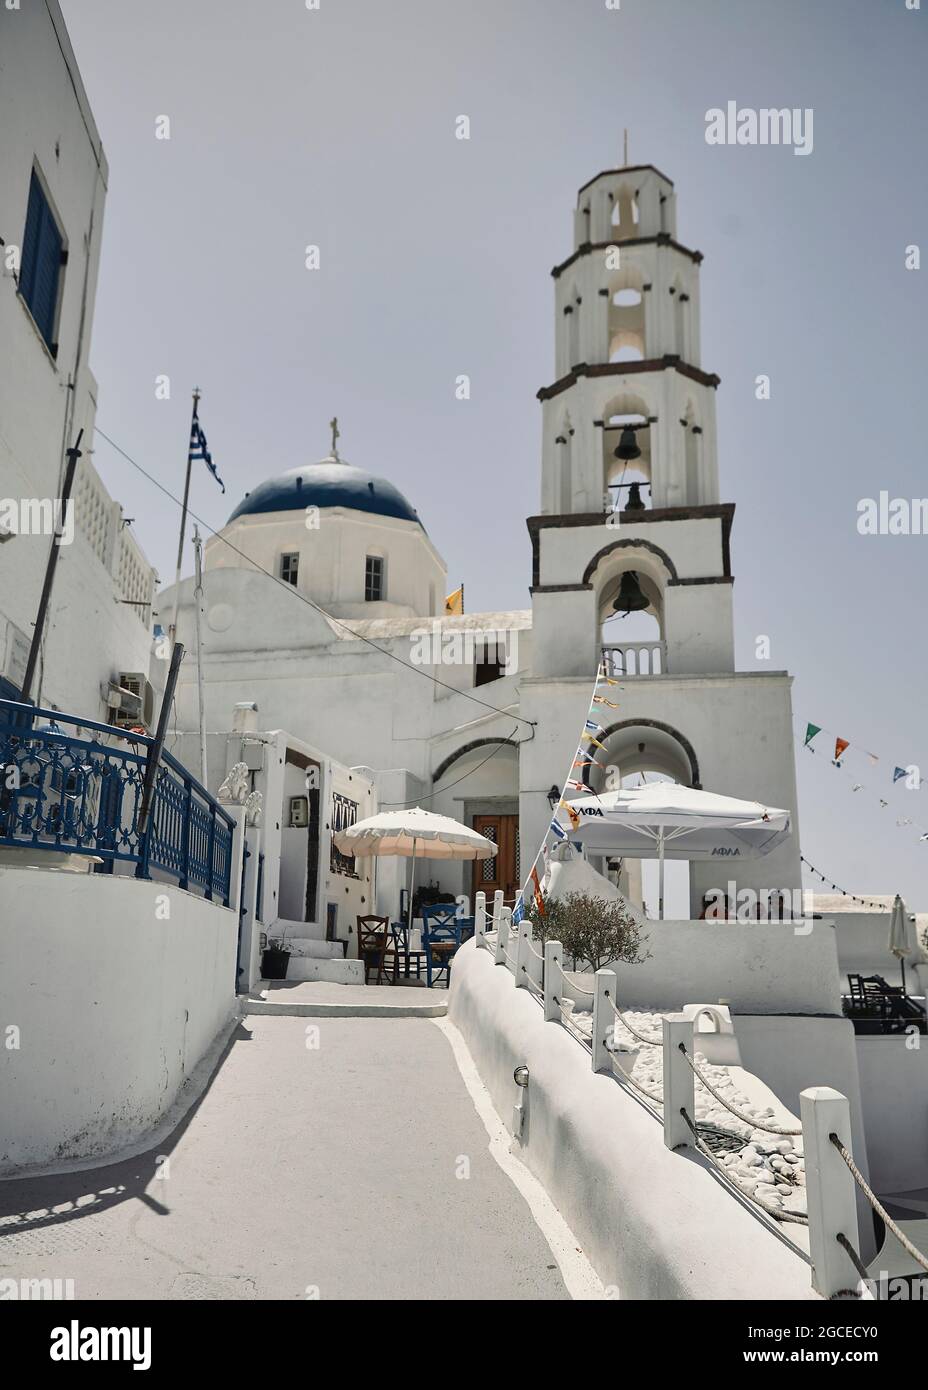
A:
(441, 937)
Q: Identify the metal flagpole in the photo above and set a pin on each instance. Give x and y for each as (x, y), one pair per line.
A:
(183, 515)
(74, 453)
(660, 858)
(197, 606)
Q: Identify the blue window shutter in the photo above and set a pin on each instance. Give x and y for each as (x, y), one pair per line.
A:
(40, 268)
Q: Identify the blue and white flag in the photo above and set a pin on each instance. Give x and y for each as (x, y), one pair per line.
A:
(518, 912)
(558, 829)
(199, 449)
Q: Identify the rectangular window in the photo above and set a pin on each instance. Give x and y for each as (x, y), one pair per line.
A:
(344, 814)
(373, 579)
(41, 263)
(289, 566)
(489, 661)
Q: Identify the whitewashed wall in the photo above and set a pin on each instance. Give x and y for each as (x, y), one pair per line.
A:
(45, 118)
(759, 968)
(654, 1224)
(114, 1008)
(894, 1095)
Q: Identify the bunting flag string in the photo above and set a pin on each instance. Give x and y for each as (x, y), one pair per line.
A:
(902, 822)
(591, 732)
(865, 902)
(841, 747)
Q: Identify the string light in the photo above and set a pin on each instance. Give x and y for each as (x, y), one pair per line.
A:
(865, 902)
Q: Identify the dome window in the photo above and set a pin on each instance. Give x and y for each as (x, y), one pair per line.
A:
(373, 579)
(289, 567)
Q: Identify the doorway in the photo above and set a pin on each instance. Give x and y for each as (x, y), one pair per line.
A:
(502, 871)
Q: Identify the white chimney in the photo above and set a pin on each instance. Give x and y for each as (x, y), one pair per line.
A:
(245, 718)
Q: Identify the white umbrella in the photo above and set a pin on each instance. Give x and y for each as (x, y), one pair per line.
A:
(899, 943)
(683, 822)
(413, 834)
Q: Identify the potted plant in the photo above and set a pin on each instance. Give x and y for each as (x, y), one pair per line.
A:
(275, 959)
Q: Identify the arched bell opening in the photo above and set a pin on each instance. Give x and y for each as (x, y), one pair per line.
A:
(626, 450)
(625, 215)
(630, 584)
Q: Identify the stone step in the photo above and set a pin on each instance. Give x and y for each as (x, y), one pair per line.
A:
(318, 1000)
(341, 972)
(284, 926)
(321, 950)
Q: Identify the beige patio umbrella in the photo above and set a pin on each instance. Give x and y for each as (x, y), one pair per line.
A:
(899, 944)
(413, 834)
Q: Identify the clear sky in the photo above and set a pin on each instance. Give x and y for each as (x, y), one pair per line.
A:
(335, 127)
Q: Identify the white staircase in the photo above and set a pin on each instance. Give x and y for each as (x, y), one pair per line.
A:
(313, 958)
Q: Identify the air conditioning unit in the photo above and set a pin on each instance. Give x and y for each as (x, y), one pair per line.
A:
(132, 701)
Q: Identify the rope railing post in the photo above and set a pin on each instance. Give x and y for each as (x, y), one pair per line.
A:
(480, 920)
(502, 933)
(679, 1081)
(830, 1194)
(497, 908)
(603, 1019)
(523, 954)
(552, 981)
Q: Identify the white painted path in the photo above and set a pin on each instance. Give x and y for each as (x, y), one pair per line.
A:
(330, 1171)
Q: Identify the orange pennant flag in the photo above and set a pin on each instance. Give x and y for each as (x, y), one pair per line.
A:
(840, 745)
(539, 900)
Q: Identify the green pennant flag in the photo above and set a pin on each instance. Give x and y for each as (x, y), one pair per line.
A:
(811, 731)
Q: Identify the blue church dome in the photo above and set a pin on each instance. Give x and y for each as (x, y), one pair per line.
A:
(331, 483)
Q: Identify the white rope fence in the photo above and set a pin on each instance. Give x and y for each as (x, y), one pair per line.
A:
(832, 1177)
(738, 1114)
(912, 1251)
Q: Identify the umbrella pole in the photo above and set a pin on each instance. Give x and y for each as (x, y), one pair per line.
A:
(904, 990)
(660, 875)
(412, 888)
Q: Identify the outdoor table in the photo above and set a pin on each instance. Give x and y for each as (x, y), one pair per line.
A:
(401, 935)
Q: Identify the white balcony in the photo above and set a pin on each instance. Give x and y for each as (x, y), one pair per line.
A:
(636, 659)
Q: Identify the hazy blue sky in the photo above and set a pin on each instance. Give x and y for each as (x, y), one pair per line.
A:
(336, 127)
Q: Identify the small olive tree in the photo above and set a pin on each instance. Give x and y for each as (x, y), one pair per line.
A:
(589, 928)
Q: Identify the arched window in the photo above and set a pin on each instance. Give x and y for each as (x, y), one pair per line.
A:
(626, 317)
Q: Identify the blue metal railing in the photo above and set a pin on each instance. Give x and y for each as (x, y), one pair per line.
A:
(74, 785)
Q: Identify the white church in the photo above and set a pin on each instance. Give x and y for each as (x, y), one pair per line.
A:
(325, 574)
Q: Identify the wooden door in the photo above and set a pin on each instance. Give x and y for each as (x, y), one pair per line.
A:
(502, 871)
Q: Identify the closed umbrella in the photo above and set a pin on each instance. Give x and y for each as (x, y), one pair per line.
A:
(413, 834)
(899, 943)
(680, 822)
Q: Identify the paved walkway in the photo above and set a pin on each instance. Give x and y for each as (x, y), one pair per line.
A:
(328, 1171)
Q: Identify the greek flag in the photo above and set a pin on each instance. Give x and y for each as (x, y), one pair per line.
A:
(518, 912)
(199, 449)
(559, 832)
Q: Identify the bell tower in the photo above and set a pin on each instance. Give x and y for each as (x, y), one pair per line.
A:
(631, 555)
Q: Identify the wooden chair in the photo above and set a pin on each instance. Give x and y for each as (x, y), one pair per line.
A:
(373, 939)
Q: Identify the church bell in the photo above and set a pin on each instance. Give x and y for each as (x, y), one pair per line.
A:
(634, 503)
(629, 599)
(627, 448)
